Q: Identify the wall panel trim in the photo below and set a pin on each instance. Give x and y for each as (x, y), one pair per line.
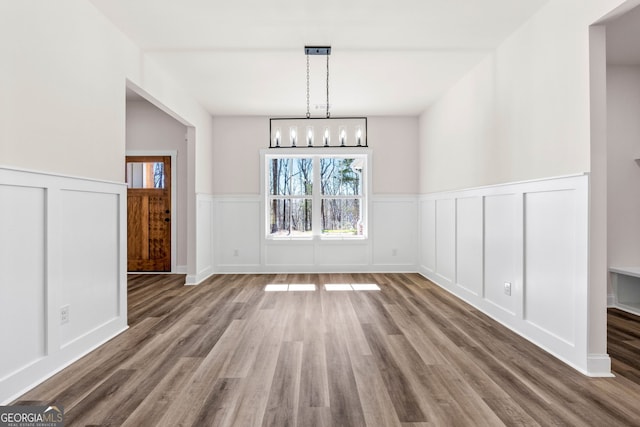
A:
(70, 258)
(535, 237)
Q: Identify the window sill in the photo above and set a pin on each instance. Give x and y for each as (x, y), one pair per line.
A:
(342, 238)
(355, 239)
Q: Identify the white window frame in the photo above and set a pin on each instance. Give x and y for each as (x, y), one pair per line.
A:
(316, 154)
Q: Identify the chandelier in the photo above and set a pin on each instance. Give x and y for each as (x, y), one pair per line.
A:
(315, 132)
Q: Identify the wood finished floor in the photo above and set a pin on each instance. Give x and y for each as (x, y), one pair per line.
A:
(226, 353)
(623, 343)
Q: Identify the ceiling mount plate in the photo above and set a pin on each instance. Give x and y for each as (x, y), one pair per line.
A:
(317, 50)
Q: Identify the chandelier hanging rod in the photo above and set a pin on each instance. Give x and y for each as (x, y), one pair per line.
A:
(318, 131)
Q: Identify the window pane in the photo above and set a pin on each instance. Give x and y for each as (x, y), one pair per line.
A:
(145, 175)
(290, 176)
(290, 217)
(341, 177)
(341, 216)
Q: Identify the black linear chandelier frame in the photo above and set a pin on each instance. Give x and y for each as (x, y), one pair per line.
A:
(335, 131)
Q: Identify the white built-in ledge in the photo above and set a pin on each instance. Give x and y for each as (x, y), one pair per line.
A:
(626, 287)
(627, 271)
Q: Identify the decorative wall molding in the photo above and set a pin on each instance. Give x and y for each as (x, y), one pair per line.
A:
(205, 239)
(53, 256)
(530, 237)
(241, 246)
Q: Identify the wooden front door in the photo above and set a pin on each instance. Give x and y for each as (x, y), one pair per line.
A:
(148, 213)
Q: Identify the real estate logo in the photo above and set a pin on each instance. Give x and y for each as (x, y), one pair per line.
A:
(31, 416)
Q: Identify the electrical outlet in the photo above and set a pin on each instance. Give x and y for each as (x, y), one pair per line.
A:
(507, 288)
(64, 314)
(394, 252)
(236, 252)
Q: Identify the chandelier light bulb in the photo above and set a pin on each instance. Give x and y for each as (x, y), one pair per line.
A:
(277, 138)
(310, 136)
(293, 135)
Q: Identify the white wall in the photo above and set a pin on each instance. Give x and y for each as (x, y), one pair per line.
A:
(235, 160)
(623, 178)
(395, 145)
(62, 107)
(534, 108)
(238, 208)
(62, 110)
(524, 104)
(148, 129)
(532, 235)
(237, 142)
(63, 97)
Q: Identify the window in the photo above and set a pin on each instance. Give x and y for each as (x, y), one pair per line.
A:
(316, 195)
(145, 175)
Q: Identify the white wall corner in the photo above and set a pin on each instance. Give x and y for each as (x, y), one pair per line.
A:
(611, 300)
(196, 279)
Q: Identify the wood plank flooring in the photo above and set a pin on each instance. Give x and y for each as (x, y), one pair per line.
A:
(623, 343)
(227, 353)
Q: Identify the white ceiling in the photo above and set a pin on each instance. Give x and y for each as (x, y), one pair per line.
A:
(246, 57)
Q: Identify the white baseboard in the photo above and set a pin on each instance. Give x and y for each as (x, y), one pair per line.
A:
(50, 367)
(599, 365)
(196, 279)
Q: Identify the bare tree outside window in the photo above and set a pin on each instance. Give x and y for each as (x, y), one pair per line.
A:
(158, 175)
(338, 194)
(291, 186)
(341, 182)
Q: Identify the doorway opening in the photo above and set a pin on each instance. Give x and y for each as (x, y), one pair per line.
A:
(159, 168)
(615, 206)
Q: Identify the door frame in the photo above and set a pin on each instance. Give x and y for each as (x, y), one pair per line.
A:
(174, 189)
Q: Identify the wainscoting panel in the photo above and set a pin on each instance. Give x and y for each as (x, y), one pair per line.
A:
(394, 231)
(351, 256)
(204, 238)
(550, 277)
(469, 240)
(242, 247)
(22, 277)
(501, 242)
(238, 232)
(520, 253)
(62, 250)
(446, 240)
(281, 254)
(428, 235)
(89, 226)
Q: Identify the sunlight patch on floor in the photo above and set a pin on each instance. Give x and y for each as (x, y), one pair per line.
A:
(306, 287)
(351, 287)
(289, 287)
